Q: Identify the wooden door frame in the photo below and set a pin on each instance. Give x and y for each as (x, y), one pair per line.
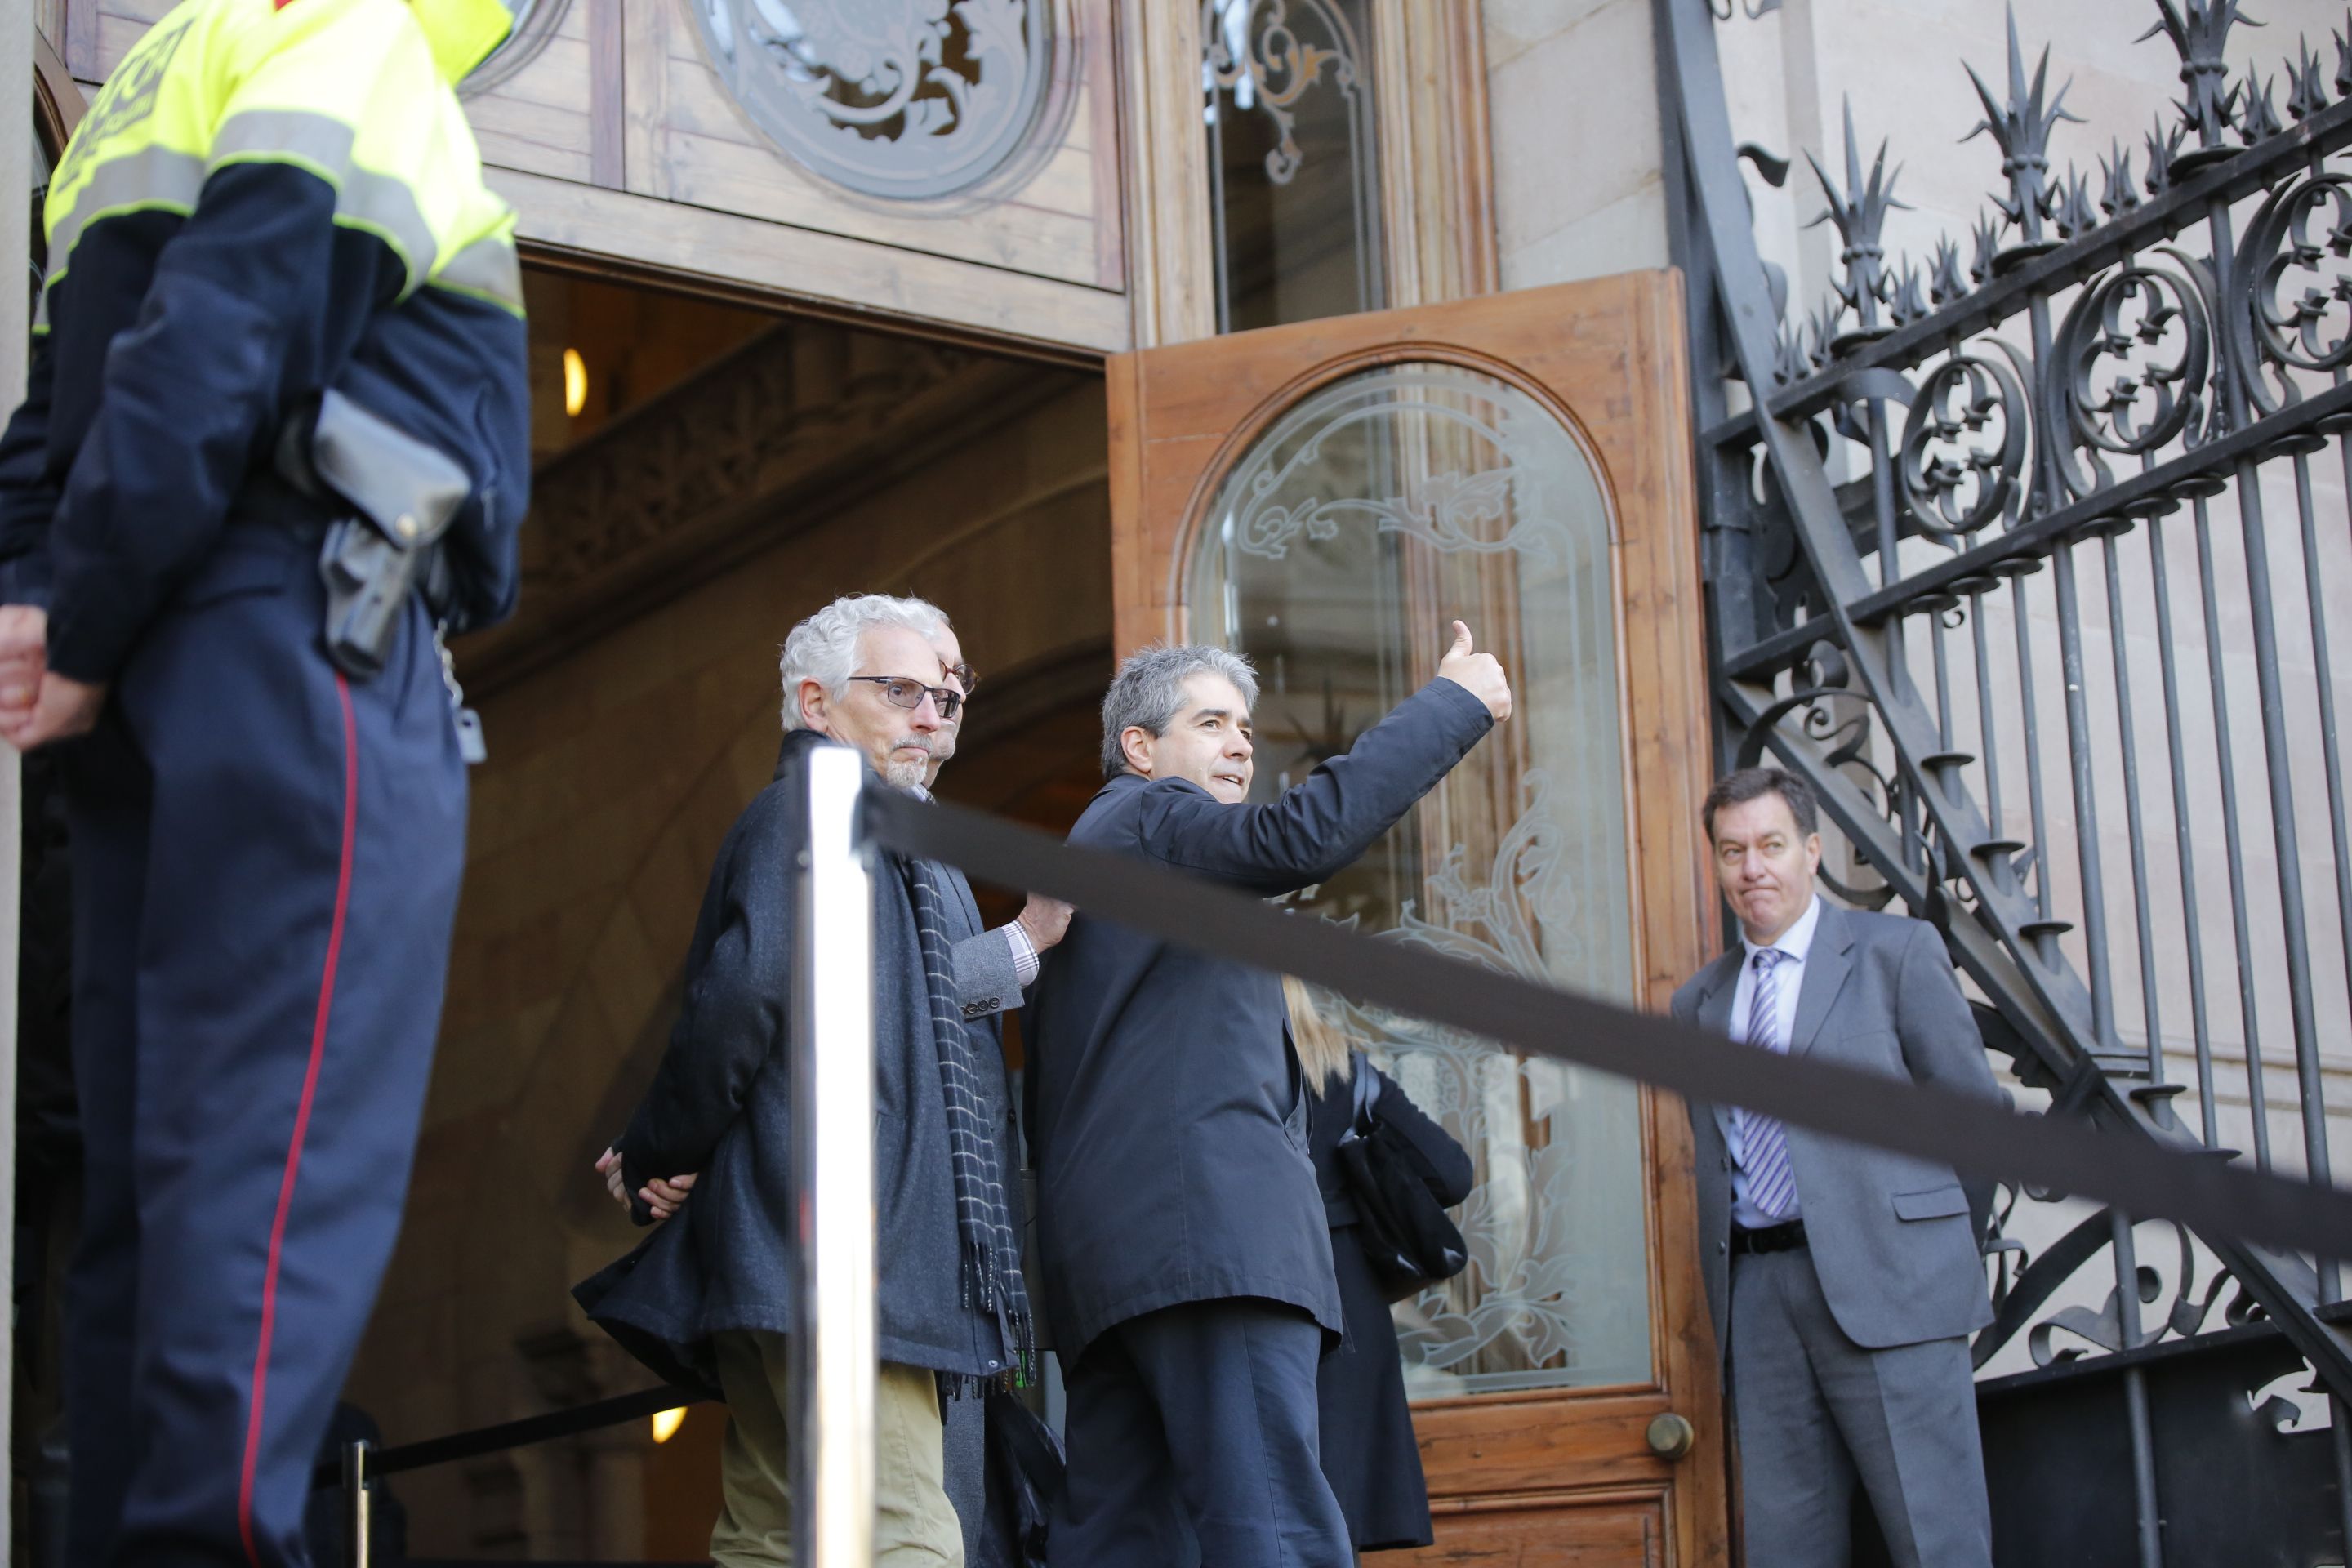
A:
(1179, 416)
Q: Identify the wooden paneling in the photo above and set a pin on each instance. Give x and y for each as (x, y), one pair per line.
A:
(1515, 1475)
(1436, 169)
(657, 241)
(49, 27)
(58, 102)
(1171, 266)
(689, 143)
(622, 149)
(541, 120)
(1568, 1531)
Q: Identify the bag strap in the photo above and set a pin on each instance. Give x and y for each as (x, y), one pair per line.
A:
(1366, 1085)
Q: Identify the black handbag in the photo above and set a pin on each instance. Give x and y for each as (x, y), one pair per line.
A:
(1408, 1236)
(1026, 1468)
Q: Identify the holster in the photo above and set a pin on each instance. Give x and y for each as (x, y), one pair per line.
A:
(402, 495)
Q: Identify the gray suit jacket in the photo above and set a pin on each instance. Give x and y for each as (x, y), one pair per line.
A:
(1893, 1237)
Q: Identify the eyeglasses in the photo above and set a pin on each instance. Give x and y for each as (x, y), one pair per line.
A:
(906, 691)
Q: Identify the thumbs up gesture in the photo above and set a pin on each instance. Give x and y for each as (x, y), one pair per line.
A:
(1477, 673)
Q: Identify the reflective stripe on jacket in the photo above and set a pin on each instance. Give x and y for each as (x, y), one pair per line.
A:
(269, 198)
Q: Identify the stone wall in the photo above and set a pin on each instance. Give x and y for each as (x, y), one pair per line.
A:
(1572, 98)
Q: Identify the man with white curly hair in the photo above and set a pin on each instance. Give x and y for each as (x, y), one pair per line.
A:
(708, 1296)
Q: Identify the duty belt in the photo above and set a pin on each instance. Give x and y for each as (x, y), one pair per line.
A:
(392, 498)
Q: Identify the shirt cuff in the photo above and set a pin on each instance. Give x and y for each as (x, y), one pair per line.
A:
(1025, 955)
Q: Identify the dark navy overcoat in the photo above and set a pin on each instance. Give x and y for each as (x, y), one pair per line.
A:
(1171, 1136)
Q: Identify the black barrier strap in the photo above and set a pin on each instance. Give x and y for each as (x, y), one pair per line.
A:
(2129, 1171)
(616, 1411)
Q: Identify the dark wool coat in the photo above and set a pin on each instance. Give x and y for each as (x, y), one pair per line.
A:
(1171, 1135)
(1370, 1454)
(720, 1105)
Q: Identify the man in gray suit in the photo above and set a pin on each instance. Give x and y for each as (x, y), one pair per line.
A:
(1843, 1281)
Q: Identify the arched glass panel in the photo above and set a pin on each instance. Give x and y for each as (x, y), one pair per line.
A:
(1293, 168)
(1349, 534)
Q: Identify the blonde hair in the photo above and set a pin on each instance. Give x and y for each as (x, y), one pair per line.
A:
(1324, 1054)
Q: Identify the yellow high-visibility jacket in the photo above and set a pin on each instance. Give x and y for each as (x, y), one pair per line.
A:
(270, 199)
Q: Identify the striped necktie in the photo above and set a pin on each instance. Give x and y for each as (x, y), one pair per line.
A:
(1764, 1142)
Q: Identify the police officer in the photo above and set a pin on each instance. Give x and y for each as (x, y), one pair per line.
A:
(276, 428)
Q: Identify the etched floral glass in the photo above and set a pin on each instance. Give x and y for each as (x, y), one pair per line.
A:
(1369, 514)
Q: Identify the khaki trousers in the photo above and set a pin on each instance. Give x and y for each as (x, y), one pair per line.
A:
(915, 1526)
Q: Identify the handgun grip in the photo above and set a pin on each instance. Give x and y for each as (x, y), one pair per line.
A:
(368, 583)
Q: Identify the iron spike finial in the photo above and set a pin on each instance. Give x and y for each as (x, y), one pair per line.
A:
(2343, 56)
(1944, 284)
(2021, 126)
(2163, 148)
(1822, 327)
(1859, 213)
(2310, 96)
(2200, 34)
(2117, 194)
(1987, 238)
(2257, 121)
(2074, 216)
(1909, 302)
(1788, 354)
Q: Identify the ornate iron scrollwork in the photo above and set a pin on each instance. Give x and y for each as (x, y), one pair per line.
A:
(2292, 239)
(2217, 378)
(2132, 359)
(897, 99)
(1955, 481)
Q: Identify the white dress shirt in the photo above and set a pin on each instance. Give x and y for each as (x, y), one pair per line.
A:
(1788, 976)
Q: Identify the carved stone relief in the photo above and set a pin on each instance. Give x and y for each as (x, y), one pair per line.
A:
(899, 99)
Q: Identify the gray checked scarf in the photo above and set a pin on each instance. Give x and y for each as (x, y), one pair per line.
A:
(991, 1248)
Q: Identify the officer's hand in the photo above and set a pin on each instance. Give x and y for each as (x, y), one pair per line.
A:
(64, 708)
(1477, 673)
(24, 657)
(1046, 919)
(666, 1198)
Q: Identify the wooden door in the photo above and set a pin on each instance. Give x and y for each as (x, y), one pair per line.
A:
(1324, 497)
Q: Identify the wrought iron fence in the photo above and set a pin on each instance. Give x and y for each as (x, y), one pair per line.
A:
(2026, 554)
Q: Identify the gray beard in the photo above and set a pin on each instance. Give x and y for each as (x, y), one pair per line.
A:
(906, 772)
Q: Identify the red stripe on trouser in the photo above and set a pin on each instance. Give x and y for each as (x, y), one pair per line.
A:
(301, 1123)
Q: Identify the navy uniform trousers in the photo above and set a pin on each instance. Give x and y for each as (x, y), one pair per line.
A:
(265, 867)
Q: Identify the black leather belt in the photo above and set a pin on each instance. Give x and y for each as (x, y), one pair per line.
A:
(1785, 1237)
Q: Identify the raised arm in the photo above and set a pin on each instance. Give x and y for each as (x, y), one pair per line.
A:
(1321, 824)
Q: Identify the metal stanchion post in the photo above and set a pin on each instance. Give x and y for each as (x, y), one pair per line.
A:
(356, 1531)
(832, 1167)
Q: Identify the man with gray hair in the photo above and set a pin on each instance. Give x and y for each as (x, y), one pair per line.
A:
(708, 1296)
(1186, 1255)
